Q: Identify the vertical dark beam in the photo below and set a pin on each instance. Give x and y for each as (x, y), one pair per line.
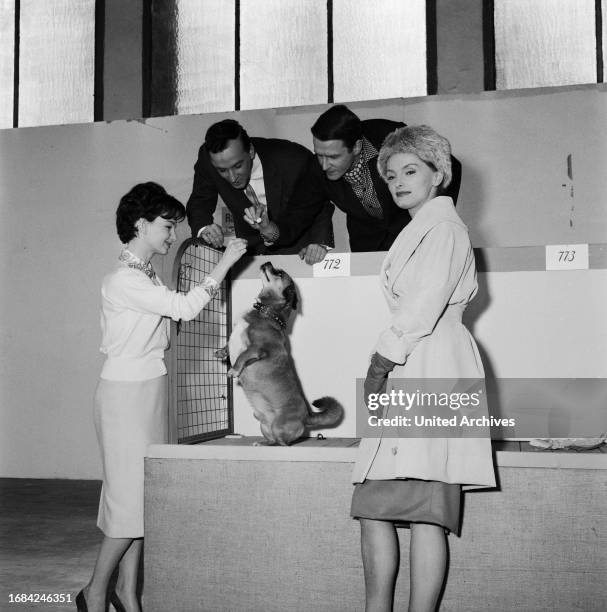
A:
(99, 60)
(459, 44)
(599, 41)
(146, 59)
(431, 48)
(489, 44)
(237, 55)
(162, 64)
(122, 59)
(330, 75)
(16, 64)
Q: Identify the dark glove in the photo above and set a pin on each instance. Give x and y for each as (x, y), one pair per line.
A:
(377, 377)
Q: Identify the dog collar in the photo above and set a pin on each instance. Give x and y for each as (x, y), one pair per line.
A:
(266, 312)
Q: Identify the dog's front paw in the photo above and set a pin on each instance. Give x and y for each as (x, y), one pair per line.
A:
(232, 373)
(222, 353)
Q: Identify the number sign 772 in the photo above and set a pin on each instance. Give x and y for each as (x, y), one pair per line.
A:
(334, 264)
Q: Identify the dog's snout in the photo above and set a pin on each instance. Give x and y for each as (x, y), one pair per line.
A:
(268, 270)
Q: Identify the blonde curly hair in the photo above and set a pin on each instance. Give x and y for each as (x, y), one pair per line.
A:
(423, 141)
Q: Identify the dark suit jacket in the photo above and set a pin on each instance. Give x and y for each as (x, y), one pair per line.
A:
(366, 233)
(284, 163)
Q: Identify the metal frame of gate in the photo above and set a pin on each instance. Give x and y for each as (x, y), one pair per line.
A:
(200, 391)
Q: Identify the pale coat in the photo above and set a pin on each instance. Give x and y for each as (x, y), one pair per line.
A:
(428, 278)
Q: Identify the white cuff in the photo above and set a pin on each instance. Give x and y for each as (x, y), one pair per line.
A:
(210, 285)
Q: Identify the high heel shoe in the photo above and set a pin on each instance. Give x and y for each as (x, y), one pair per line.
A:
(115, 601)
(81, 602)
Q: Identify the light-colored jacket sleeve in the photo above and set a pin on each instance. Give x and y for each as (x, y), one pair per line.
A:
(131, 289)
(423, 288)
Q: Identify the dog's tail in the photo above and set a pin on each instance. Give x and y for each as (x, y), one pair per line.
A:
(331, 413)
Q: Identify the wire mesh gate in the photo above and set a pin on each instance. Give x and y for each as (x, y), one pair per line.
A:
(200, 392)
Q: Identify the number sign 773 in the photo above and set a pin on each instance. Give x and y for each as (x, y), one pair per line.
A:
(566, 257)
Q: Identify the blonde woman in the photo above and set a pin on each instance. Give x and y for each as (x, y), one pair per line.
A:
(428, 278)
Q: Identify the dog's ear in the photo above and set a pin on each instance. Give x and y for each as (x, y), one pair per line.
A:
(290, 295)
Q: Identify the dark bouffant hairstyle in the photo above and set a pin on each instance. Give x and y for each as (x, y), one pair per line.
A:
(338, 123)
(218, 135)
(145, 201)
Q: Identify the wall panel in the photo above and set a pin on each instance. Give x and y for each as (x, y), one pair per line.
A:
(57, 62)
(379, 49)
(283, 53)
(206, 58)
(7, 64)
(544, 43)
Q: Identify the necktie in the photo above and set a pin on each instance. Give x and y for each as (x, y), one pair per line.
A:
(252, 197)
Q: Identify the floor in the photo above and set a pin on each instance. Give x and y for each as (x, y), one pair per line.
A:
(48, 540)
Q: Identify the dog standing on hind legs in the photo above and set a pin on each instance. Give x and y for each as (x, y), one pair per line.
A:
(262, 363)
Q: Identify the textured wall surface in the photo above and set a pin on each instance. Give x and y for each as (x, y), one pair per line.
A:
(544, 42)
(257, 536)
(56, 62)
(379, 49)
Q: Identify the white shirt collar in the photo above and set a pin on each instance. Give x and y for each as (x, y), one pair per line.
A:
(256, 169)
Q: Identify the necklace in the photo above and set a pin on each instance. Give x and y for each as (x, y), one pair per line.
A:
(132, 261)
(266, 312)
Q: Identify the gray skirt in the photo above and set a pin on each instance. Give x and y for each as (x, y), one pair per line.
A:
(129, 416)
(405, 501)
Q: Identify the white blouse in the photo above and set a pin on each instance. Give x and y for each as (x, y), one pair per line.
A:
(134, 321)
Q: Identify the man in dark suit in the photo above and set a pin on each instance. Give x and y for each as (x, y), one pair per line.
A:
(346, 174)
(259, 173)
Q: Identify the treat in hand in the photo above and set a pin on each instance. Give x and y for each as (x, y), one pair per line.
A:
(257, 217)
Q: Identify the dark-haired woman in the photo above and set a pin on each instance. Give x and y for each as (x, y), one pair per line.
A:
(130, 401)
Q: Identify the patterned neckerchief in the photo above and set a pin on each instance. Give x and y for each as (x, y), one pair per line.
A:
(132, 261)
(359, 178)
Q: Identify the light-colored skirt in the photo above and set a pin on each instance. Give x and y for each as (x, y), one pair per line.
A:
(129, 416)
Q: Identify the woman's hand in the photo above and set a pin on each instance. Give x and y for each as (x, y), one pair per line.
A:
(377, 376)
(236, 248)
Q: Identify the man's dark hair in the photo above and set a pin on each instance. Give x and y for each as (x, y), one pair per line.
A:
(218, 135)
(338, 123)
(145, 201)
